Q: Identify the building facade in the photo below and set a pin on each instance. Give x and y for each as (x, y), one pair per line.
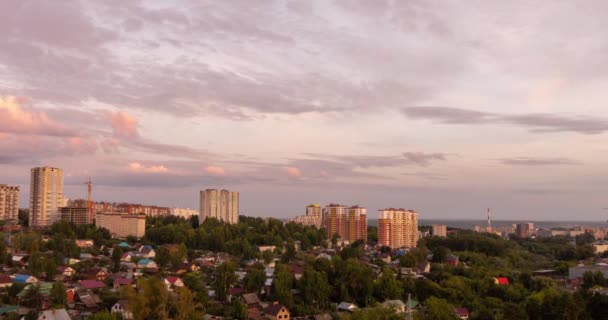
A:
(75, 215)
(397, 228)
(311, 218)
(524, 230)
(350, 223)
(439, 230)
(122, 225)
(222, 205)
(9, 202)
(185, 213)
(46, 196)
(130, 208)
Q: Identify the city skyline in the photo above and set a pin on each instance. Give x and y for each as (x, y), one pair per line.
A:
(448, 109)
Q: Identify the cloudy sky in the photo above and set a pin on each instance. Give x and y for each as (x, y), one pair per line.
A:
(432, 105)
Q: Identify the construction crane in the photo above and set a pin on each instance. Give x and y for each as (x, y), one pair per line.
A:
(89, 194)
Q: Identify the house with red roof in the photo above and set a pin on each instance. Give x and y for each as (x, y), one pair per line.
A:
(501, 281)
(91, 284)
(120, 282)
(172, 282)
(5, 281)
(462, 313)
(276, 311)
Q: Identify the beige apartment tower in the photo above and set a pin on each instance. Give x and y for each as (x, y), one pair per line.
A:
(222, 205)
(397, 228)
(46, 196)
(439, 230)
(9, 202)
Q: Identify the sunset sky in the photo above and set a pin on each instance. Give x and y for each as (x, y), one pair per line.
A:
(431, 105)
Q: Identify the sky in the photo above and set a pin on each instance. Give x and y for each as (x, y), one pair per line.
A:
(438, 106)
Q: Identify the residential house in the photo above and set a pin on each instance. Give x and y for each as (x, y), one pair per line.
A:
(276, 311)
(25, 278)
(173, 282)
(252, 302)
(147, 252)
(84, 243)
(501, 281)
(424, 267)
(66, 271)
(5, 281)
(127, 257)
(120, 282)
(44, 290)
(99, 274)
(147, 264)
(55, 314)
(86, 300)
(19, 259)
(120, 307)
(297, 271)
(186, 267)
(462, 313)
(347, 307)
(452, 260)
(91, 284)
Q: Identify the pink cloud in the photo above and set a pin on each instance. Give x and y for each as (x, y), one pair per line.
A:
(110, 145)
(13, 119)
(138, 167)
(294, 172)
(123, 124)
(215, 170)
(78, 145)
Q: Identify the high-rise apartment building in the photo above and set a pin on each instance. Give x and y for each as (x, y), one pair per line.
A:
(524, 230)
(439, 230)
(9, 202)
(350, 223)
(397, 228)
(311, 218)
(122, 225)
(46, 196)
(76, 215)
(222, 205)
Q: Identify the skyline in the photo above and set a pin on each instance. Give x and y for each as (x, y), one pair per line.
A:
(442, 108)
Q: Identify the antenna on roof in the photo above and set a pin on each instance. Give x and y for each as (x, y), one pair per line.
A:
(489, 219)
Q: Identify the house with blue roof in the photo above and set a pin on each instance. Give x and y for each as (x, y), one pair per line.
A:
(25, 278)
(147, 264)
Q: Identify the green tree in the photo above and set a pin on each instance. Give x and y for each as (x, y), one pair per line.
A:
(178, 255)
(437, 309)
(137, 304)
(239, 310)
(32, 297)
(224, 279)
(268, 256)
(282, 285)
(116, 256)
(195, 282)
(255, 278)
(50, 268)
(315, 288)
(102, 315)
(183, 304)
(387, 286)
(58, 295)
(163, 257)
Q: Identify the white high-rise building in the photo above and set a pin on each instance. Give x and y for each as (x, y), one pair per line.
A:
(9, 202)
(46, 196)
(222, 205)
